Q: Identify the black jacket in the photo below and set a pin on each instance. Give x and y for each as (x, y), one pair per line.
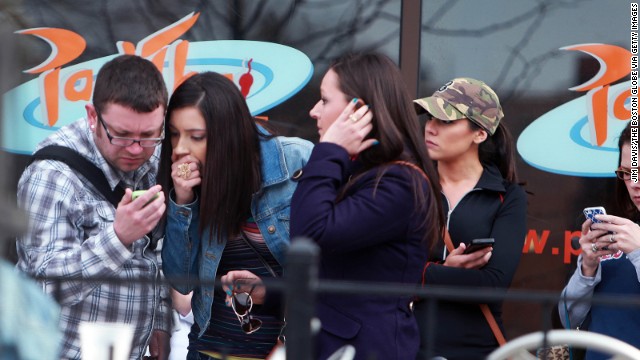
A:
(493, 209)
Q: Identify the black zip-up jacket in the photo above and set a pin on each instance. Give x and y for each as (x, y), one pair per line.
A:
(493, 209)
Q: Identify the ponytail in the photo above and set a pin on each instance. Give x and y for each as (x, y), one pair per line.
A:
(499, 150)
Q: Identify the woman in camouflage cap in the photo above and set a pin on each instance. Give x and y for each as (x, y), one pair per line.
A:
(475, 158)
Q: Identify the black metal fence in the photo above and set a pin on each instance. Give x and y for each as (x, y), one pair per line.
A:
(300, 286)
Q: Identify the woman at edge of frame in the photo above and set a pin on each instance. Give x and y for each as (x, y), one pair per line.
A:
(609, 263)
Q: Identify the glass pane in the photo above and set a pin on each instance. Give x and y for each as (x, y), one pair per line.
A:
(321, 29)
(516, 48)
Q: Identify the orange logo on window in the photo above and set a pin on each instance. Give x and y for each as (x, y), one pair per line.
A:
(615, 63)
(163, 46)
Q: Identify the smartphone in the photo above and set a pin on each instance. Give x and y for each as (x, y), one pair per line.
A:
(477, 244)
(138, 193)
(591, 212)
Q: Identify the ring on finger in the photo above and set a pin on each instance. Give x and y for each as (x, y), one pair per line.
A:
(611, 238)
(594, 247)
(184, 171)
(353, 118)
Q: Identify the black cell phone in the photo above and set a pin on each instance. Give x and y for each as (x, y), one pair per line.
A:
(477, 244)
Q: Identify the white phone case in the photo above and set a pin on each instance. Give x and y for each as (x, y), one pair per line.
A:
(590, 212)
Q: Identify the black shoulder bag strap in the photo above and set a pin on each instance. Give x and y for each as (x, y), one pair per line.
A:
(85, 167)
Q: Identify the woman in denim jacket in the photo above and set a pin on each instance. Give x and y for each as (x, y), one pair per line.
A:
(229, 201)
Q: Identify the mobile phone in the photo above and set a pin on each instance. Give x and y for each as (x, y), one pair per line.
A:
(591, 212)
(477, 244)
(138, 193)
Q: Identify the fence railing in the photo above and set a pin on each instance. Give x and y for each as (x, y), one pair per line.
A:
(300, 286)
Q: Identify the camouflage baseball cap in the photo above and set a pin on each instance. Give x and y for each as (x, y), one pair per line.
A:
(464, 98)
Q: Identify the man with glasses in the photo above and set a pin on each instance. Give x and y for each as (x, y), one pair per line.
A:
(75, 234)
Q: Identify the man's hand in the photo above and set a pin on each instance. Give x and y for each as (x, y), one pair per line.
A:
(159, 347)
(136, 218)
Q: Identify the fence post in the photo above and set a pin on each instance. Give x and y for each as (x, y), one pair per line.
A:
(301, 277)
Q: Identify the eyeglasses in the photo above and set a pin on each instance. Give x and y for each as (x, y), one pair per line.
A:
(242, 305)
(124, 141)
(623, 174)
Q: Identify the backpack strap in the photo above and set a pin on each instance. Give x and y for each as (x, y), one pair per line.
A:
(85, 167)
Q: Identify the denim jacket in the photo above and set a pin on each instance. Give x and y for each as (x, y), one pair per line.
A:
(187, 255)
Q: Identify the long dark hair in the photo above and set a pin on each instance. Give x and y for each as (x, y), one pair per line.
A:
(232, 171)
(377, 81)
(623, 205)
(498, 149)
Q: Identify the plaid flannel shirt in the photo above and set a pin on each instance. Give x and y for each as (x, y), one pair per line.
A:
(71, 236)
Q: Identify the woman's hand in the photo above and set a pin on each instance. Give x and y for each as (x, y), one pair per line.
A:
(185, 173)
(593, 243)
(350, 129)
(475, 260)
(624, 234)
(239, 281)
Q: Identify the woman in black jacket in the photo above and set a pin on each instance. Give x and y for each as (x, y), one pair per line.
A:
(482, 199)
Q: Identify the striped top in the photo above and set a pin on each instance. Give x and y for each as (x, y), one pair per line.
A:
(224, 337)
